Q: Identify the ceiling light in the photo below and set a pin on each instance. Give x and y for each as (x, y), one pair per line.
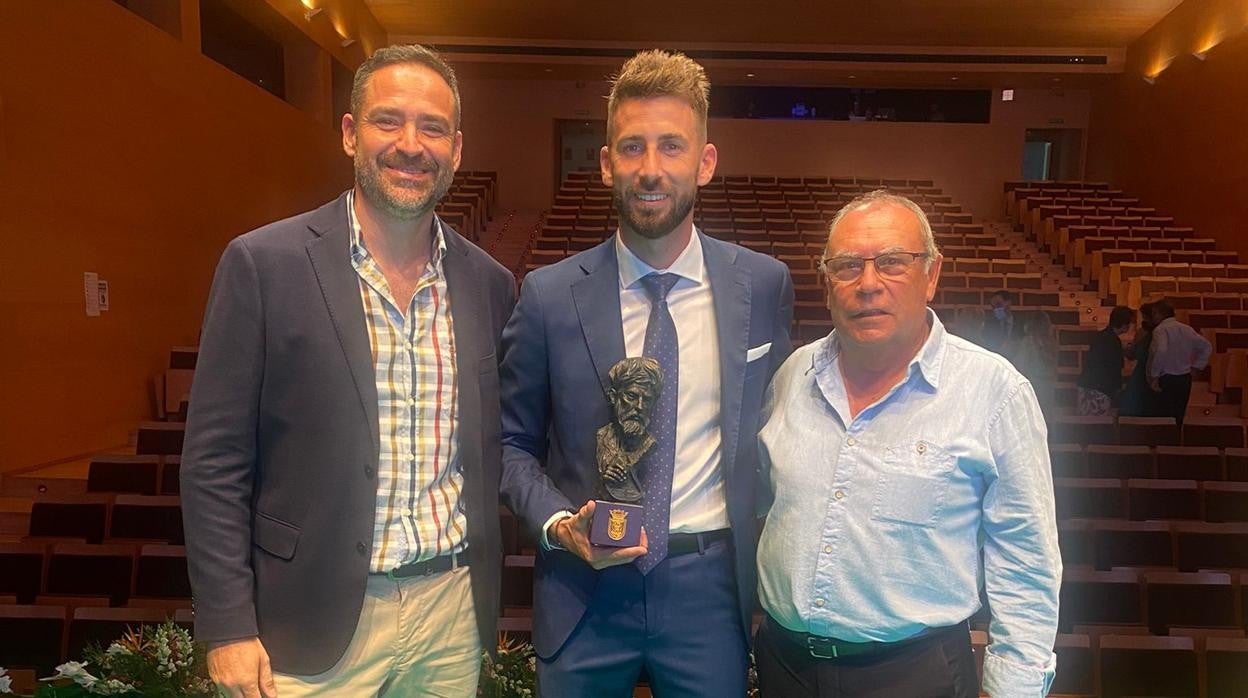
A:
(347, 42)
(749, 75)
(955, 77)
(1150, 80)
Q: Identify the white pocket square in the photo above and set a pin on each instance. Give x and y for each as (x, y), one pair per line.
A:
(757, 352)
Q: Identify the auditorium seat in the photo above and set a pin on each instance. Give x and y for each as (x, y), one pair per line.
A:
(1082, 430)
(160, 438)
(169, 475)
(1131, 544)
(32, 636)
(90, 570)
(1226, 501)
(1148, 431)
(160, 573)
(1089, 498)
(1213, 431)
(1134, 665)
(157, 518)
(1236, 464)
(517, 585)
(21, 570)
(1189, 463)
(1189, 599)
(1211, 546)
(1149, 499)
(82, 516)
(1075, 676)
(1100, 597)
(1068, 460)
(1119, 461)
(1226, 666)
(1074, 539)
(124, 474)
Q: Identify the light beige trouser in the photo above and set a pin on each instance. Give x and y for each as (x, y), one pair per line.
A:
(417, 636)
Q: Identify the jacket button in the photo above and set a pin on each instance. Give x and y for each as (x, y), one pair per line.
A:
(361, 548)
(368, 472)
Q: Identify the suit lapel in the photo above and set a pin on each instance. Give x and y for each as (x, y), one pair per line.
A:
(467, 318)
(730, 287)
(330, 253)
(597, 300)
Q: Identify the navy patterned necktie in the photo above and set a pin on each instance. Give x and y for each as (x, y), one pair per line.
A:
(659, 463)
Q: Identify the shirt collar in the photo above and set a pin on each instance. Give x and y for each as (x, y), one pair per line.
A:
(359, 252)
(688, 265)
(926, 362)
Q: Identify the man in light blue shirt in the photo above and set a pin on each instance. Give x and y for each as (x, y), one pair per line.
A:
(895, 454)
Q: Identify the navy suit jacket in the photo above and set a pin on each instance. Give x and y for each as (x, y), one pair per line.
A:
(279, 486)
(563, 337)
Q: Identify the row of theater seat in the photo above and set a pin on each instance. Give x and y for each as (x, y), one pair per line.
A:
(36, 638)
(111, 573)
(1169, 546)
(1148, 431)
(1143, 461)
(1151, 499)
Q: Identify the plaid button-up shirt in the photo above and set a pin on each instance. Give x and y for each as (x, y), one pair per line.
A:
(419, 515)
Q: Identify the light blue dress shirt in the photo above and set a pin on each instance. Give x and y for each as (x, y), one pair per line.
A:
(876, 522)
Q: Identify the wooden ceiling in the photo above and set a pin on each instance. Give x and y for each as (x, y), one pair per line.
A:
(519, 39)
(945, 23)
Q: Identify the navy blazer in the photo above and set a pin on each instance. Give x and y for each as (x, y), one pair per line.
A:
(565, 334)
(279, 486)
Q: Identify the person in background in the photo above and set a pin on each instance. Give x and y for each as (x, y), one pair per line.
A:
(1100, 383)
(1035, 356)
(999, 331)
(1138, 400)
(1176, 351)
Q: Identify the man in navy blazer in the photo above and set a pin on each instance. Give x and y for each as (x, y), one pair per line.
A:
(340, 474)
(716, 317)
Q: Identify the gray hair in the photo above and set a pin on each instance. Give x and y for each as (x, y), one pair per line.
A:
(399, 54)
(881, 197)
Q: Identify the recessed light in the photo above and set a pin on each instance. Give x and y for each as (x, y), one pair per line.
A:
(550, 70)
(955, 77)
(749, 75)
(853, 77)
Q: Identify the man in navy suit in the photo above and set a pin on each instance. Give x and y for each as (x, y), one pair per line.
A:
(716, 318)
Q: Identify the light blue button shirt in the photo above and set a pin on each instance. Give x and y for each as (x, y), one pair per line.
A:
(877, 522)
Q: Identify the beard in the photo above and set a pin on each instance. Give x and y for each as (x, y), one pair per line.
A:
(403, 200)
(651, 225)
(633, 427)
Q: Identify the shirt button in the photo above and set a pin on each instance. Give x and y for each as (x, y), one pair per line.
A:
(850, 441)
(409, 346)
(407, 512)
(411, 401)
(361, 548)
(827, 548)
(839, 494)
(411, 456)
(819, 603)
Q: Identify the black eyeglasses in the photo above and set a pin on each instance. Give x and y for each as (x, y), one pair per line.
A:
(887, 264)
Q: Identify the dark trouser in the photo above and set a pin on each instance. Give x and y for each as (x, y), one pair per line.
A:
(1175, 392)
(939, 664)
(681, 623)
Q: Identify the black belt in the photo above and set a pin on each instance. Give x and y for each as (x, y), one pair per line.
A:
(821, 647)
(685, 543)
(442, 563)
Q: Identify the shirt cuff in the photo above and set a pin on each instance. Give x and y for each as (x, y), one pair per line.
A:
(1006, 679)
(545, 541)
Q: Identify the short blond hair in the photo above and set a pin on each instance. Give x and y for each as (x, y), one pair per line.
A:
(659, 73)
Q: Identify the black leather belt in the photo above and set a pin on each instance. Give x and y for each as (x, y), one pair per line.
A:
(685, 543)
(821, 647)
(442, 563)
